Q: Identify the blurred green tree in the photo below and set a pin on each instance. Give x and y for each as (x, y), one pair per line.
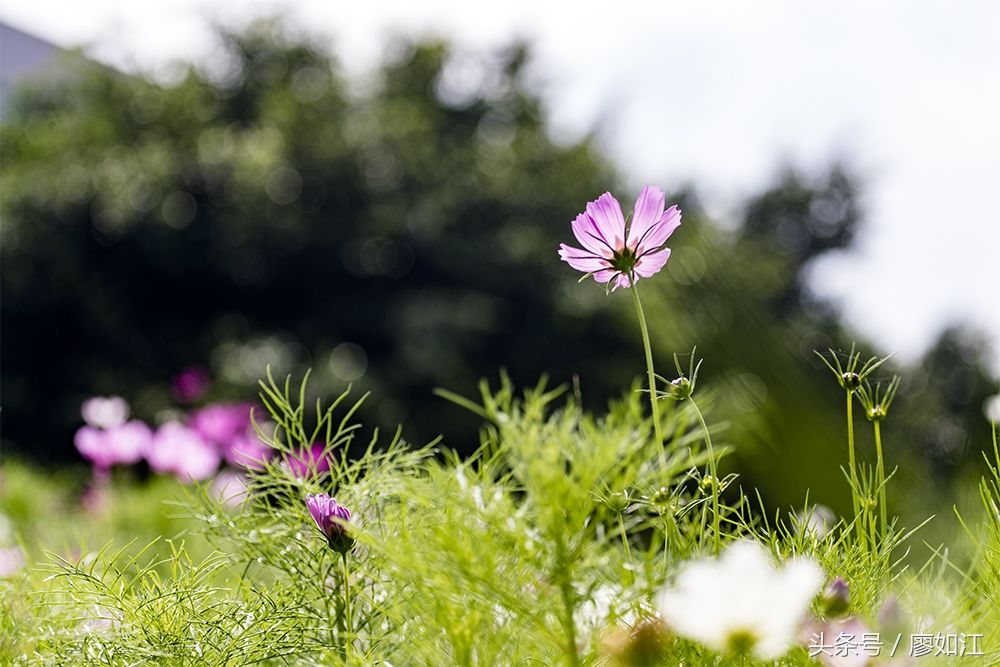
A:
(399, 232)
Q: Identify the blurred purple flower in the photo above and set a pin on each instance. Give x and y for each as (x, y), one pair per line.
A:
(104, 411)
(190, 384)
(182, 451)
(124, 444)
(309, 460)
(220, 423)
(613, 252)
(332, 520)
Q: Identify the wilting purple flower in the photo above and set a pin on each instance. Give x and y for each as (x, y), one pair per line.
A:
(612, 251)
(219, 423)
(332, 520)
(120, 445)
(180, 450)
(310, 460)
(104, 411)
(190, 384)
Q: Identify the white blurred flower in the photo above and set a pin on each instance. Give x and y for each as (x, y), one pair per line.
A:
(11, 561)
(817, 520)
(104, 411)
(739, 602)
(991, 409)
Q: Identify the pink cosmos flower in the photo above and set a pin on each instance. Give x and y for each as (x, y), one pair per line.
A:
(190, 384)
(615, 251)
(120, 445)
(219, 423)
(331, 519)
(180, 450)
(104, 411)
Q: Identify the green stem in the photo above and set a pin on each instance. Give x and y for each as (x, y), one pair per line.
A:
(347, 609)
(880, 467)
(855, 498)
(566, 592)
(713, 470)
(649, 372)
(628, 551)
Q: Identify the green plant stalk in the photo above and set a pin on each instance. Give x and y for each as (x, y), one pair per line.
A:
(347, 610)
(713, 470)
(649, 372)
(855, 499)
(880, 471)
(566, 592)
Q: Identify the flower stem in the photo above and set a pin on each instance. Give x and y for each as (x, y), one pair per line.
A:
(855, 499)
(347, 609)
(649, 371)
(713, 470)
(566, 592)
(880, 470)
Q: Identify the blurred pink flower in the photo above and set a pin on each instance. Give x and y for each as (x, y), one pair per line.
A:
(247, 451)
(229, 488)
(310, 460)
(190, 384)
(182, 451)
(104, 411)
(124, 444)
(613, 252)
(220, 423)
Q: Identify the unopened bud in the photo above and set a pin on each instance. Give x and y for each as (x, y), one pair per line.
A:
(618, 501)
(850, 380)
(681, 388)
(837, 597)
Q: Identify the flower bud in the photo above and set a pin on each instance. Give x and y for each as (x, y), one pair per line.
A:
(680, 389)
(618, 501)
(850, 380)
(837, 597)
(332, 520)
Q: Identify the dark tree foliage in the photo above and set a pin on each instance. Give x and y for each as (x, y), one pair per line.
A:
(400, 233)
(265, 214)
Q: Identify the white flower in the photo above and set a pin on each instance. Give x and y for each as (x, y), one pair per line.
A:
(741, 602)
(991, 409)
(104, 411)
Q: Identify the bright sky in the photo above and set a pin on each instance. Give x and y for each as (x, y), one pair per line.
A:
(719, 94)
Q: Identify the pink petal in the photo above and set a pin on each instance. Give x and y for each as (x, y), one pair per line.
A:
(609, 222)
(648, 211)
(590, 237)
(657, 234)
(581, 260)
(604, 275)
(623, 281)
(650, 263)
